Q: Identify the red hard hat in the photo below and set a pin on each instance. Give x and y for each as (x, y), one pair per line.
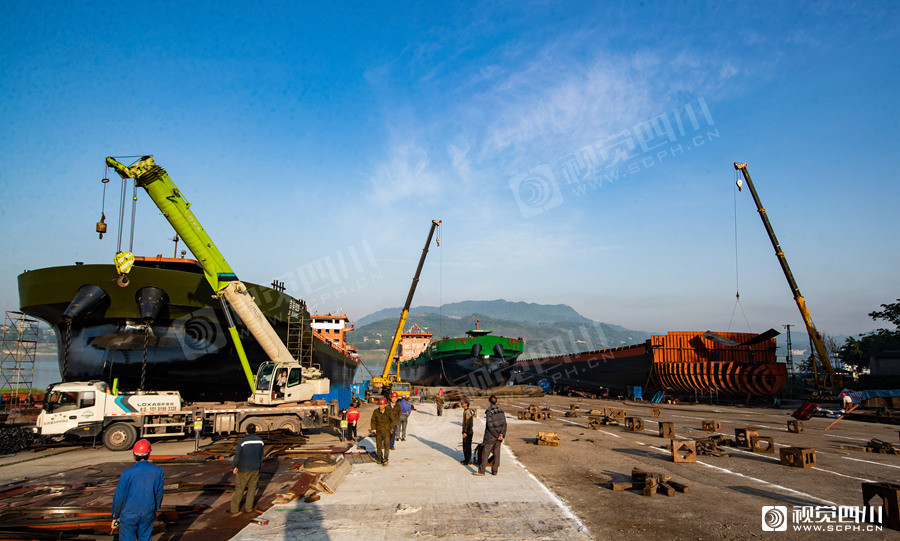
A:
(142, 447)
(382, 401)
(394, 394)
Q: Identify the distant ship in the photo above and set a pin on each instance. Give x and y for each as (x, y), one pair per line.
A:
(479, 360)
(166, 326)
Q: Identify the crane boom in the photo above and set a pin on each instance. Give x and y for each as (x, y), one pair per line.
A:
(176, 209)
(385, 379)
(814, 336)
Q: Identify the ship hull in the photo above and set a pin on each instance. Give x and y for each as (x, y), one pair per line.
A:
(678, 362)
(465, 362)
(187, 346)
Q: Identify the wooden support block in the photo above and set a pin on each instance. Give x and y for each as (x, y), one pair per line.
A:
(523, 415)
(684, 451)
(665, 488)
(711, 426)
(650, 486)
(621, 486)
(795, 426)
(655, 412)
(756, 447)
(574, 406)
(742, 436)
(890, 496)
(667, 430)
(533, 408)
(638, 475)
(680, 487)
(634, 424)
(594, 423)
(798, 457)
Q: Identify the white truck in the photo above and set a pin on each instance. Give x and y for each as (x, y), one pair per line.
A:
(87, 409)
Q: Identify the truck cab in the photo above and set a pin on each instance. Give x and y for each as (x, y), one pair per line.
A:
(73, 408)
(285, 382)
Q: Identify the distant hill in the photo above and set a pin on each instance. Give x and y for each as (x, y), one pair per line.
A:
(501, 309)
(547, 329)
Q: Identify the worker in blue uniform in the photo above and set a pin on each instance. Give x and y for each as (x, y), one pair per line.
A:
(138, 496)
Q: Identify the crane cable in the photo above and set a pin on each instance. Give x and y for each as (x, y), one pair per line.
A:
(737, 276)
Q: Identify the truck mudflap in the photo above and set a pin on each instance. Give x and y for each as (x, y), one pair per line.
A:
(85, 430)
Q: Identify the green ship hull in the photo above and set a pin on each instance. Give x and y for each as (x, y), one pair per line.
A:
(478, 360)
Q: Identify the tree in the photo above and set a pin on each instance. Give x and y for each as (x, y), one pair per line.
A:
(857, 353)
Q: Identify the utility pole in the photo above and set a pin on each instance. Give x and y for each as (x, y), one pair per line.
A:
(789, 357)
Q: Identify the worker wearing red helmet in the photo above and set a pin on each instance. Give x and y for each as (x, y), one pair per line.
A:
(138, 496)
(382, 423)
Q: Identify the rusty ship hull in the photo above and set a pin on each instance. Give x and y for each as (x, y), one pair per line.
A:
(681, 362)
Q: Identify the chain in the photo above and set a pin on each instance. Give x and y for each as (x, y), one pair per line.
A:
(144, 362)
(66, 352)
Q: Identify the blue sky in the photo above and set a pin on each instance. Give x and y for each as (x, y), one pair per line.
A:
(578, 153)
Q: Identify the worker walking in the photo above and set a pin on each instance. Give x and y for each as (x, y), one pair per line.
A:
(138, 496)
(352, 419)
(382, 424)
(494, 432)
(439, 402)
(405, 411)
(395, 410)
(247, 461)
(468, 421)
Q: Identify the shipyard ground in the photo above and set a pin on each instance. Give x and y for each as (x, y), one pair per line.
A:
(562, 492)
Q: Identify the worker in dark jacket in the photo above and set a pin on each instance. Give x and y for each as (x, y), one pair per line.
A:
(468, 420)
(394, 408)
(494, 432)
(138, 496)
(382, 423)
(247, 461)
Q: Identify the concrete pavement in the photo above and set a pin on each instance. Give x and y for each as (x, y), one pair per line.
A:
(424, 493)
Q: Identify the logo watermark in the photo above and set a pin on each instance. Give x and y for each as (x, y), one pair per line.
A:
(199, 333)
(335, 276)
(815, 518)
(625, 153)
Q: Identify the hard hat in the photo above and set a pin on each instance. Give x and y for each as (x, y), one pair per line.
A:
(393, 395)
(382, 401)
(141, 448)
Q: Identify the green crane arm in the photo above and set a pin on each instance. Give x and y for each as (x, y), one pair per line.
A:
(409, 298)
(814, 336)
(176, 210)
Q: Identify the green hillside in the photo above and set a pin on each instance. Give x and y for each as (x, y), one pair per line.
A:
(540, 338)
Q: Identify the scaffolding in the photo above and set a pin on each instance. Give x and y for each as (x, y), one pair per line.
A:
(18, 351)
(299, 338)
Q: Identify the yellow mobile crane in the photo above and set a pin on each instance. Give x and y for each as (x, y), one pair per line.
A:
(391, 382)
(827, 382)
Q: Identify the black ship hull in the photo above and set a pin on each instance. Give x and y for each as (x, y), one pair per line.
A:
(187, 345)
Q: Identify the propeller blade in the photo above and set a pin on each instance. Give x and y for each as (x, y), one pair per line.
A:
(719, 339)
(771, 333)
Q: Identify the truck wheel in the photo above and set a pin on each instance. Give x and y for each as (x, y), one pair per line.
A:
(119, 436)
(261, 424)
(292, 424)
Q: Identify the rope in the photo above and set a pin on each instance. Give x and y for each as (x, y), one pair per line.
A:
(737, 275)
